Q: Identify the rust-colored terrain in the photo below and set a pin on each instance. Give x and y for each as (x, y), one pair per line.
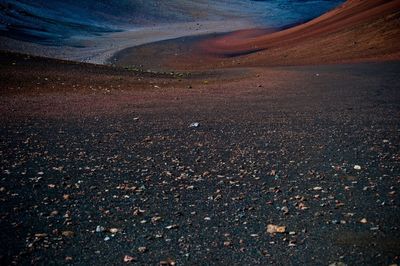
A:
(357, 31)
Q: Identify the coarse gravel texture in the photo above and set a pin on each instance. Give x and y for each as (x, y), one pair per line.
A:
(314, 149)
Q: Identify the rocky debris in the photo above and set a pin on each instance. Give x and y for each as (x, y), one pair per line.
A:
(227, 243)
(142, 249)
(285, 210)
(66, 197)
(54, 213)
(113, 230)
(68, 233)
(100, 229)
(128, 259)
(337, 264)
(172, 226)
(168, 262)
(274, 229)
(268, 181)
(194, 125)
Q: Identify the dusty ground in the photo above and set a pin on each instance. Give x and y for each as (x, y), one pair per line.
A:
(314, 149)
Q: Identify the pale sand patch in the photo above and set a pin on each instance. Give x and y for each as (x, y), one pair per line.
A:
(98, 49)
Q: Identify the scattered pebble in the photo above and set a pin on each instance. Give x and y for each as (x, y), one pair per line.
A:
(68, 233)
(273, 229)
(195, 124)
(168, 262)
(173, 226)
(128, 259)
(142, 249)
(100, 229)
(285, 210)
(113, 230)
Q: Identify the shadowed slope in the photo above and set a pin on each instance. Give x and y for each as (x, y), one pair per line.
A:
(59, 22)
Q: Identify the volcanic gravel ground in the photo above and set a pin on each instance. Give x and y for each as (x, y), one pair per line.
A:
(316, 155)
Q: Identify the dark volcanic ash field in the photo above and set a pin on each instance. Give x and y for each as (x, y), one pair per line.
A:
(99, 163)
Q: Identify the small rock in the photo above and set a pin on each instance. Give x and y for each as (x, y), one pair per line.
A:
(357, 167)
(195, 124)
(142, 249)
(128, 258)
(172, 226)
(54, 213)
(100, 229)
(337, 264)
(273, 229)
(363, 221)
(66, 197)
(302, 206)
(155, 219)
(168, 262)
(317, 188)
(113, 230)
(68, 233)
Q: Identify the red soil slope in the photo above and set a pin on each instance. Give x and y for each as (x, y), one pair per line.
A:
(358, 30)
